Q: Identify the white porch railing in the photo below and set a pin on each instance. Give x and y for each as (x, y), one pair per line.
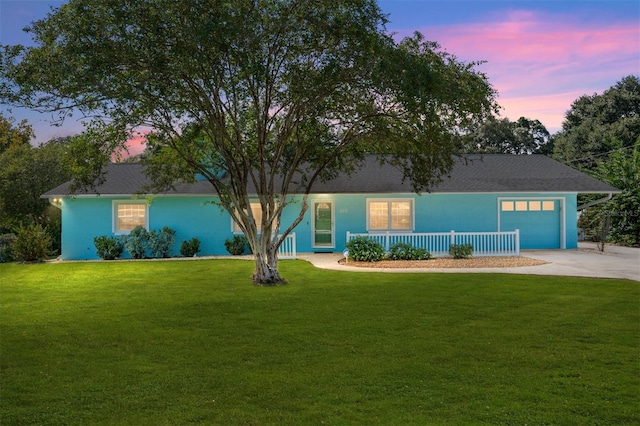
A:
(437, 243)
(287, 249)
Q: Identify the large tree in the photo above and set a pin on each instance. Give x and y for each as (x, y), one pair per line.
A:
(25, 173)
(12, 135)
(595, 124)
(600, 135)
(622, 214)
(257, 96)
(503, 136)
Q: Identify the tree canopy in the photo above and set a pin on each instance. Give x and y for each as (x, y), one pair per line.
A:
(502, 136)
(12, 135)
(257, 96)
(25, 173)
(621, 216)
(595, 124)
(601, 135)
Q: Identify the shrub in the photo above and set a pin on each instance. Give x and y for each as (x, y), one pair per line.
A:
(108, 247)
(32, 243)
(236, 245)
(404, 251)
(6, 241)
(461, 251)
(624, 240)
(190, 248)
(137, 242)
(364, 249)
(160, 242)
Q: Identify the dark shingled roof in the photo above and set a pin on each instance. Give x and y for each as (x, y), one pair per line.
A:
(473, 173)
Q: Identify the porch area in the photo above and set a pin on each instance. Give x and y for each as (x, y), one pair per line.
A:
(437, 243)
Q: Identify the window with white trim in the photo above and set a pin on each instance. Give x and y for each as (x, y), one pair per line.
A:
(390, 215)
(129, 214)
(256, 210)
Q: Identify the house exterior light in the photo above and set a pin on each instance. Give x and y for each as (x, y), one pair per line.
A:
(56, 202)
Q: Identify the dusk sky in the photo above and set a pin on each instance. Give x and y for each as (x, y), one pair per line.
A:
(540, 55)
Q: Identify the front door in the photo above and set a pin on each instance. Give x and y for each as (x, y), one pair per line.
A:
(323, 232)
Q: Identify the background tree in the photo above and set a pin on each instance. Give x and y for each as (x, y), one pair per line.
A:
(26, 172)
(262, 97)
(594, 124)
(600, 135)
(12, 135)
(502, 136)
(621, 215)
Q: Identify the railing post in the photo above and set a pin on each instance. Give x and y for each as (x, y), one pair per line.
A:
(453, 238)
(517, 242)
(293, 245)
(386, 241)
(348, 236)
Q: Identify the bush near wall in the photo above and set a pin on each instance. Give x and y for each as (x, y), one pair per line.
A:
(108, 247)
(190, 248)
(137, 242)
(461, 251)
(404, 251)
(32, 244)
(363, 249)
(237, 245)
(156, 242)
(160, 242)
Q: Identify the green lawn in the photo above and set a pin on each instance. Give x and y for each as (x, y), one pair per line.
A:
(194, 342)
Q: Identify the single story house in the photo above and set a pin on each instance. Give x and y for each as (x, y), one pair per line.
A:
(484, 196)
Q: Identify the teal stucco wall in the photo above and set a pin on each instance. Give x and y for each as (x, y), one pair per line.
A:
(86, 217)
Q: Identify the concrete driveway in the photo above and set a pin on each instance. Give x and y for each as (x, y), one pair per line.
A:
(586, 261)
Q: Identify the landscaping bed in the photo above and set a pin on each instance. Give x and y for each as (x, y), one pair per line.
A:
(447, 262)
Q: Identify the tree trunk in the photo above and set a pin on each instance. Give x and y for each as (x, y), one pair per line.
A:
(266, 272)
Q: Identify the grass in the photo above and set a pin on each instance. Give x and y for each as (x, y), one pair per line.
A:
(193, 342)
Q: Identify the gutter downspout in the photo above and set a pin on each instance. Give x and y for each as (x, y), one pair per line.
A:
(594, 202)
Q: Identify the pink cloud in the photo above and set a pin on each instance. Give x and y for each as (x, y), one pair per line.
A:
(550, 109)
(135, 146)
(541, 63)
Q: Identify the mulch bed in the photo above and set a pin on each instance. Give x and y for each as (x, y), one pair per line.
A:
(474, 262)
